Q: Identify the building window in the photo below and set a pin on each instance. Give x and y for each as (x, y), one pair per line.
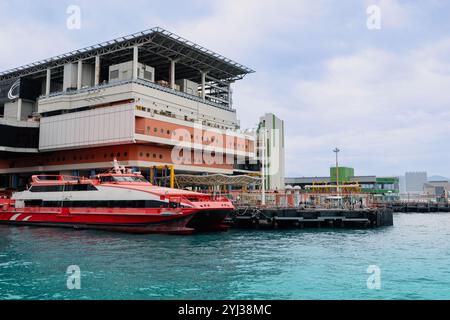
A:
(125, 154)
(118, 155)
(160, 156)
(156, 130)
(148, 155)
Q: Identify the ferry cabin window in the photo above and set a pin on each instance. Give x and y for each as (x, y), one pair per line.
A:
(64, 188)
(109, 179)
(130, 179)
(122, 204)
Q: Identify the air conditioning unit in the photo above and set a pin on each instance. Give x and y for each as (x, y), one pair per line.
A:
(124, 71)
(146, 73)
(188, 86)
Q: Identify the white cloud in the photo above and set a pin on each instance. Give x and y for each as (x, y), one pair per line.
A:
(242, 26)
(394, 14)
(380, 107)
(382, 96)
(28, 45)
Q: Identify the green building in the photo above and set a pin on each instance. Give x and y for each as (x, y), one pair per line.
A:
(345, 174)
(388, 187)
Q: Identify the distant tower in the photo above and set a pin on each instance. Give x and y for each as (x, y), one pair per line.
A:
(275, 151)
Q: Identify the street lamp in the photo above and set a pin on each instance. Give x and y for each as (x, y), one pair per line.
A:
(337, 150)
(263, 165)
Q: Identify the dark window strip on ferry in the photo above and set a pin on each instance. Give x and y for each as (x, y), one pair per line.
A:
(64, 188)
(142, 204)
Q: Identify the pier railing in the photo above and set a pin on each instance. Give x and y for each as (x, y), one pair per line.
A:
(301, 200)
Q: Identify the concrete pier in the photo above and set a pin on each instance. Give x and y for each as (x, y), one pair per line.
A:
(419, 207)
(312, 218)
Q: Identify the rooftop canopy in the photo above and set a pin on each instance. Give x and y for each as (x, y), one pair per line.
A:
(216, 180)
(156, 47)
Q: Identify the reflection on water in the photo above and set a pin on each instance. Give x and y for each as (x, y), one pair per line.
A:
(297, 264)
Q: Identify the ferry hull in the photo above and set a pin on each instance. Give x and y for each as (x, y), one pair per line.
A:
(136, 224)
(209, 221)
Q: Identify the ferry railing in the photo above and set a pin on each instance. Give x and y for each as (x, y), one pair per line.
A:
(56, 178)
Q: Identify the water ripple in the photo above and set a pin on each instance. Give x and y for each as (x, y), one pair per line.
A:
(299, 264)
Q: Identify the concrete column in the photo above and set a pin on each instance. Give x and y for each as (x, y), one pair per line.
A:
(135, 62)
(230, 96)
(172, 74)
(48, 82)
(80, 75)
(97, 71)
(19, 109)
(204, 85)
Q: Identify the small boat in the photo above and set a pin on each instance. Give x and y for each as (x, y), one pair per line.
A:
(119, 200)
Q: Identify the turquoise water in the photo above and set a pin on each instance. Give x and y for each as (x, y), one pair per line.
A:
(413, 256)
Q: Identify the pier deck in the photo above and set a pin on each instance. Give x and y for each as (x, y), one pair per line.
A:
(419, 207)
(310, 218)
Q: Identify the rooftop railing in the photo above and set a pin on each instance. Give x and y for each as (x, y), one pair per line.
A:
(142, 82)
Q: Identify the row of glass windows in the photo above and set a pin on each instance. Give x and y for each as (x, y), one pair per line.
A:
(117, 155)
(155, 156)
(64, 188)
(124, 204)
(379, 186)
(155, 130)
(84, 157)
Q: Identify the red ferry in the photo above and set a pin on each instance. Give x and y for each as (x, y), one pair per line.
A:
(119, 201)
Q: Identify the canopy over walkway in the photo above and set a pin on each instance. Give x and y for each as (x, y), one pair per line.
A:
(216, 180)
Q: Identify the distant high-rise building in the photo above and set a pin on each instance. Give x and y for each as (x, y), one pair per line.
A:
(275, 151)
(414, 181)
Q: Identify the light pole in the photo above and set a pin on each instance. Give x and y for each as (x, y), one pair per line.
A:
(337, 150)
(263, 165)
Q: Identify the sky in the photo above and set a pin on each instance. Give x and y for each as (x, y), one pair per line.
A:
(381, 95)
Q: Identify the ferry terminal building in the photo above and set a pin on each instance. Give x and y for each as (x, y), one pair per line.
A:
(125, 99)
